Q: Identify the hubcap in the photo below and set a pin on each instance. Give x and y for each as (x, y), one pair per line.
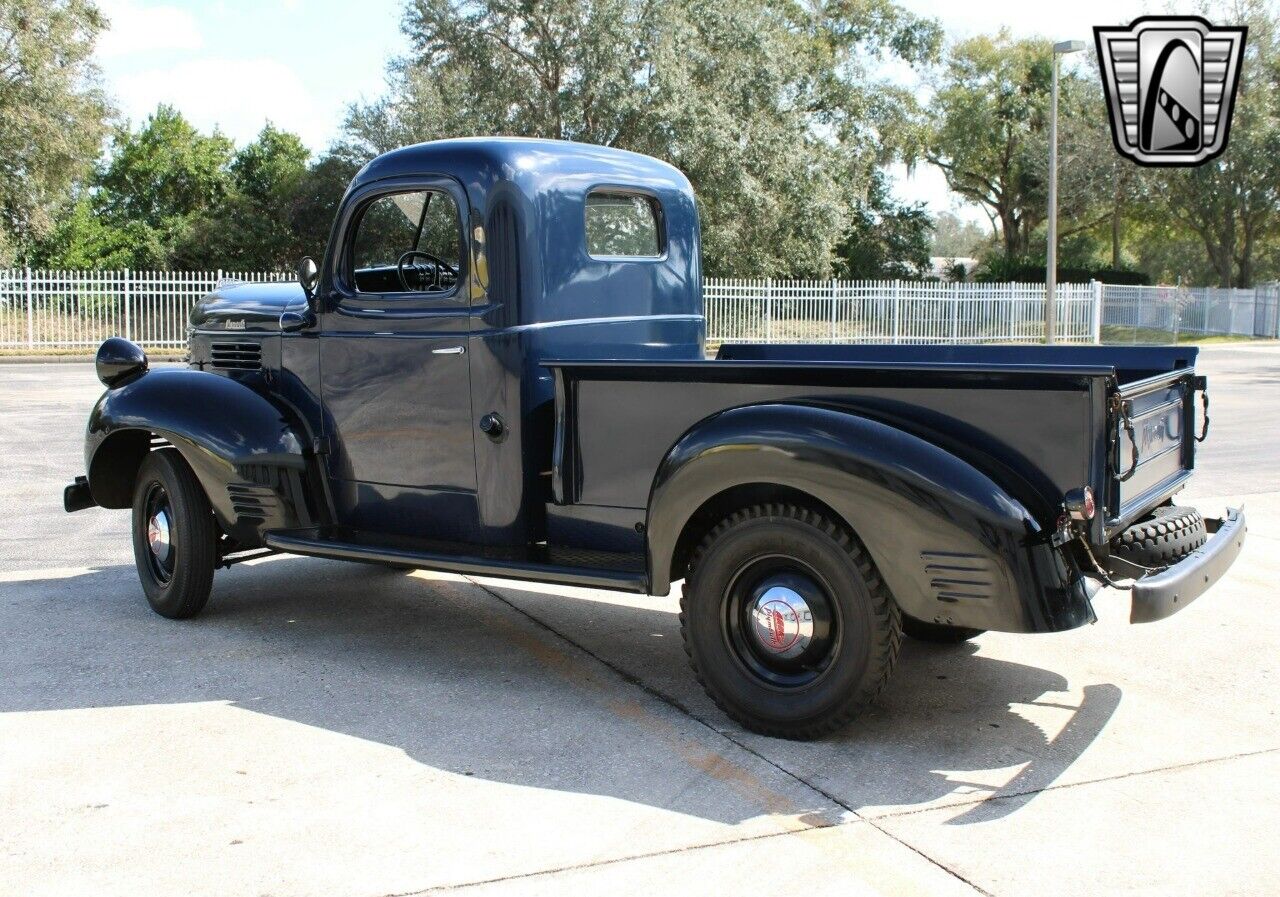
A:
(158, 535)
(162, 554)
(781, 622)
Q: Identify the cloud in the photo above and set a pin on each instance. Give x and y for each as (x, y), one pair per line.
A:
(238, 96)
(136, 29)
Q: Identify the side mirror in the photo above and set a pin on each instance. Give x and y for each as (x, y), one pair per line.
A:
(308, 276)
(291, 321)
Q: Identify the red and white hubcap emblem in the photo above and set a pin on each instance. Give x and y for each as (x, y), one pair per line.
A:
(782, 622)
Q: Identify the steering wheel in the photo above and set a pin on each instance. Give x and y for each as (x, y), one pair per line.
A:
(439, 264)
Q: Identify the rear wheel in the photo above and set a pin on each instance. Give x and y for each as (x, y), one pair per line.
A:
(175, 537)
(786, 622)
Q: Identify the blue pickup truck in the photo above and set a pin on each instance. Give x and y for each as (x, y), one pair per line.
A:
(499, 369)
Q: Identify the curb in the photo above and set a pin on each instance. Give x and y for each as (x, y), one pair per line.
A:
(73, 359)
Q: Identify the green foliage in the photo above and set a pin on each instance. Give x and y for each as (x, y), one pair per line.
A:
(999, 269)
(771, 109)
(83, 238)
(886, 239)
(165, 173)
(53, 112)
(1232, 204)
(954, 237)
(990, 135)
(251, 226)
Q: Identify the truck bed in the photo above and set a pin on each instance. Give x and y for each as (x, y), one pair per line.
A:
(1041, 421)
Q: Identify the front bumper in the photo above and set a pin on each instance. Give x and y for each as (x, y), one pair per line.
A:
(1165, 593)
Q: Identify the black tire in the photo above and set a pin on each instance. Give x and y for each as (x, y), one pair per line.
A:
(855, 626)
(1165, 537)
(936, 633)
(177, 583)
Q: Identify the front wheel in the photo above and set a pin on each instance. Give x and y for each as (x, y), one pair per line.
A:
(175, 537)
(787, 623)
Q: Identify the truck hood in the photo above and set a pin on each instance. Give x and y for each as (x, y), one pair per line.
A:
(247, 307)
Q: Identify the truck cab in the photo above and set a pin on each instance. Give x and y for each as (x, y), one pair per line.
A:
(498, 368)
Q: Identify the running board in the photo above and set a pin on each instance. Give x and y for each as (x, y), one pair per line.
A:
(325, 544)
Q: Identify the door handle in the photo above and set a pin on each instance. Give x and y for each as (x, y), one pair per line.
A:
(452, 350)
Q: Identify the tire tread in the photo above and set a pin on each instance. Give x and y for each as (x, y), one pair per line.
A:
(883, 656)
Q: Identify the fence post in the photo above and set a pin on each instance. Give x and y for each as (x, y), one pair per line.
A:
(1096, 322)
(126, 304)
(768, 310)
(955, 312)
(897, 307)
(833, 309)
(31, 320)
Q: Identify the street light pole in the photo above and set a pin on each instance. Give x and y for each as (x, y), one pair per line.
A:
(1051, 272)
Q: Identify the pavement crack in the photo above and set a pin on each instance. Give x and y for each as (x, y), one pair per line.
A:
(675, 704)
(595, 864)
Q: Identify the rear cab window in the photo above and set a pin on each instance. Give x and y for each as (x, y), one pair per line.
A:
(622, 224)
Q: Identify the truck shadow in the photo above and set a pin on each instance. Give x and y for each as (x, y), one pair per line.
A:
(478, 682)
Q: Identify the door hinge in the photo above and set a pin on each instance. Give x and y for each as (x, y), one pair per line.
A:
(320, 445)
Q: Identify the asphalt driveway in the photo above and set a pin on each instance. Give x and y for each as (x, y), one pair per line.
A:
(345, 730)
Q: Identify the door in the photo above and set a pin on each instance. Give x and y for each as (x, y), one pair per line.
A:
(394, 370)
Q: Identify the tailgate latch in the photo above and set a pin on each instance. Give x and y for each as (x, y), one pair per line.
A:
(1122, 409)
(1200, 384)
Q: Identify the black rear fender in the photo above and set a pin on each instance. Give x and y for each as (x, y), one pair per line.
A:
(244, 451)
(951, 544)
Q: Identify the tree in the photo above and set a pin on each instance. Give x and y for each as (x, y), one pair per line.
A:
(769, 108)
(165, 171)
(158, 183)
(53, 112)
(315, 201)
(83, 238)
(954, 237)
(887, 239)
(990, 138)
(251, 226)
(1232, 204)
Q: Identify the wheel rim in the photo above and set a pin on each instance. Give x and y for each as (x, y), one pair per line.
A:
(780, 622)
(161, 554)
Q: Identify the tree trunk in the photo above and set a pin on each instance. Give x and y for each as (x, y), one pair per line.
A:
(1009, 224)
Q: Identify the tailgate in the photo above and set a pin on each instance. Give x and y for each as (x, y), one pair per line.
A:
(1153, 427)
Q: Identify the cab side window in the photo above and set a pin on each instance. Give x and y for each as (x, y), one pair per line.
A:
(407, 243)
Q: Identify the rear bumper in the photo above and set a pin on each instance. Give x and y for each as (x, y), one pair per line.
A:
(1169, 591)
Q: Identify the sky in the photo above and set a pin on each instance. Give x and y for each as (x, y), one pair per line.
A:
(236, 64)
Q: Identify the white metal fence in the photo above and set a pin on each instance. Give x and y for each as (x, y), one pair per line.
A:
(1167, 314)
(43, 310)
(894, 311)
(79, 309)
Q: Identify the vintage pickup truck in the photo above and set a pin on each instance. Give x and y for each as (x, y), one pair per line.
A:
(499, 369)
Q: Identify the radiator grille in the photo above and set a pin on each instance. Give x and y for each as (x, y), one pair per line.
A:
(236, 356)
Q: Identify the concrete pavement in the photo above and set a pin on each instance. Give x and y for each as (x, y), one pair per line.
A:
(345, 730)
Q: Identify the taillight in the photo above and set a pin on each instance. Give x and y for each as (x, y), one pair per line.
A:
(1080, 504)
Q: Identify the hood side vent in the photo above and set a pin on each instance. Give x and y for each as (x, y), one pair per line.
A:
(240, 356)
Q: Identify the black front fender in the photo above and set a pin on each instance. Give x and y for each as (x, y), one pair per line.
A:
(951, 544)
(244, 451)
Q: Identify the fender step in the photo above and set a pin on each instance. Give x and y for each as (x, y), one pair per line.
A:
(596, 570)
